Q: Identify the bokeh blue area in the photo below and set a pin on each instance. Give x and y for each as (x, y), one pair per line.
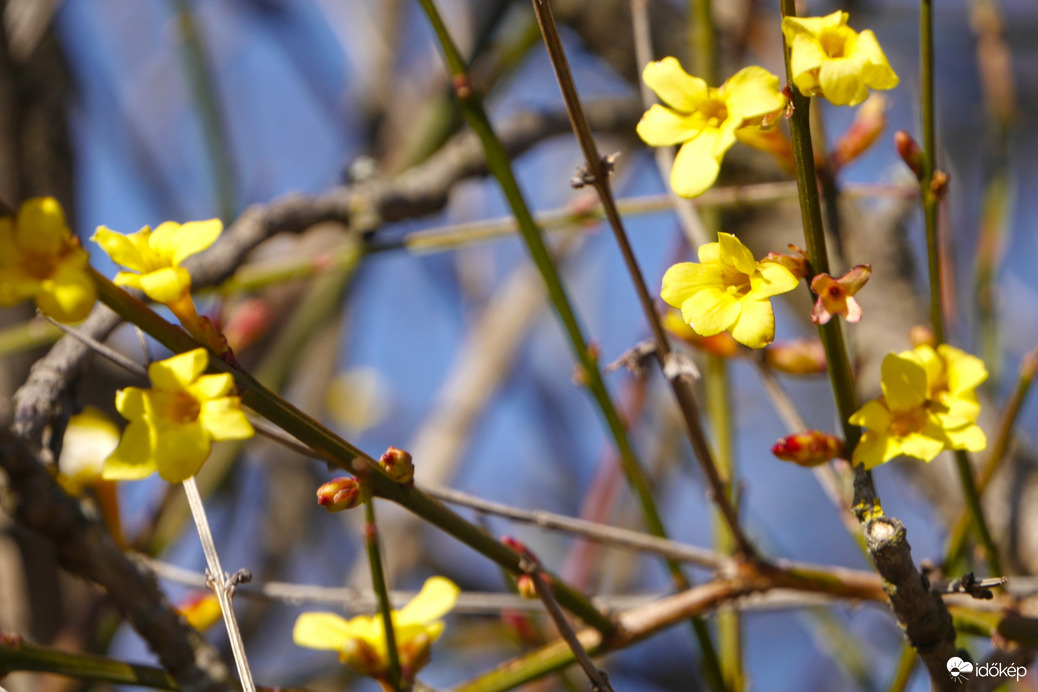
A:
(292, 79)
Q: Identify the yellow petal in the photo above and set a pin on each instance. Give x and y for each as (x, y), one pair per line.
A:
(970, 438)
(921, 446)
(874, 449)
(756, 324)
(128, 280)
(130, 403)
(772, 279)
(132, 460)
(903, 381)
(662, 127)
(686, 278)
(194, 237)
(873, 416)
(325, 631)
(212, 386)
(736, 254)
(180, 450)
(839, 80)
(437, 597)
(751, 93)
(673, 85)
(698, 162)
(965, 371)
(124, 249)
(223, 419)
(709, 253)
(876, 71)
(69, 295)
(812, 26)
(167, 284)
(710, 311)
(173, 374)
(41, 228)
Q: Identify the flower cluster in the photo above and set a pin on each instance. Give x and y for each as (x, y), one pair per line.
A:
(361, 641)
(728, 290)
(42, 260)
(929, 404)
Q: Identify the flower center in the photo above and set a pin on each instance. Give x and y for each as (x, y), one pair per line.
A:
(714, 112)
(39, 266)
(834, 43)
(735, 282)
(183, 408)
(905, 423)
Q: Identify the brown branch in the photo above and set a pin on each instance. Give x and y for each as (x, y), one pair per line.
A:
(84, 547)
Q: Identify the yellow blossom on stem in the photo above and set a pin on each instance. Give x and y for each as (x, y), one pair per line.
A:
(173, 424)
(154, 257)
(905, 420)
(728, 291)
(830, 59)
(952, 378)
(836, 296)
(704, 120)
(361, 641)
(42, 260)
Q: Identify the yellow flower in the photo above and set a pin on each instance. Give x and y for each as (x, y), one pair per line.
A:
(728, 291)
(830, 59)
(41, 259)
(704, 120)
(905, 420)
(172, 425)
(89, 437)
(952, 378)
(361, 641)
(156, 256)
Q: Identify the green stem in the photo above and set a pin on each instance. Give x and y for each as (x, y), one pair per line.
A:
(378, 583)
(701, 39)
(340, 453)
(29, 658)
(933, 252)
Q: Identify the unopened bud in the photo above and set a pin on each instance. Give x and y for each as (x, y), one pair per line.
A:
(921, 335)
(342, 493)
(719, 344)
(808, 448)
(798, 357)
(526, 586)
(867, 126)
(796, 262)
(201, 609)
(910, 152)
(939, 184)
(398, 464)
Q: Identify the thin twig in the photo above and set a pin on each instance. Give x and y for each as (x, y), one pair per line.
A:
(222, 583)
(599, 177)
(378, 583)
(127, 364)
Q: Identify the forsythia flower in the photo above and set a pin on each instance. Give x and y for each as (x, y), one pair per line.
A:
(89, 437)
(361, 641)
(728, 291)
(918, 414)
(41, 259)
(830, 59)
(156, 256)
(704, 120)
(172, 425)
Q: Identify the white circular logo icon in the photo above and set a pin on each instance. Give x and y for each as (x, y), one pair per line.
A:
(958, 668)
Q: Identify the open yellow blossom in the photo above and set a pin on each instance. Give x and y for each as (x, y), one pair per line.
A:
(154, 258)
(704, 120)
(361, 641)
(41, 259)
(830, 59)
(952, 378)
(728, 291)
(905, 420)
(173, 424)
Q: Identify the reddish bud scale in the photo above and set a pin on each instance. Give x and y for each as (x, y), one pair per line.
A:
(910, 152)
(808, 448)
(342, 493)
(398, 464)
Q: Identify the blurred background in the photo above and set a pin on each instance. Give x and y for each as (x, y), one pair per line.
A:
(133, 113)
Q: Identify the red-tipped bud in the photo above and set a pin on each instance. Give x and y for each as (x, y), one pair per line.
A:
(867, 126)
(526, 586)
(808, 448)
(922, 335)
(342, 493)
(910, 152)
(247, 323)
(398, 464)
(523, 625)
(796, 263)
(798, 357)
(201, 609)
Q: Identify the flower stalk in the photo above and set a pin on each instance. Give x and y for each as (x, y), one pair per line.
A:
(378, 583)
